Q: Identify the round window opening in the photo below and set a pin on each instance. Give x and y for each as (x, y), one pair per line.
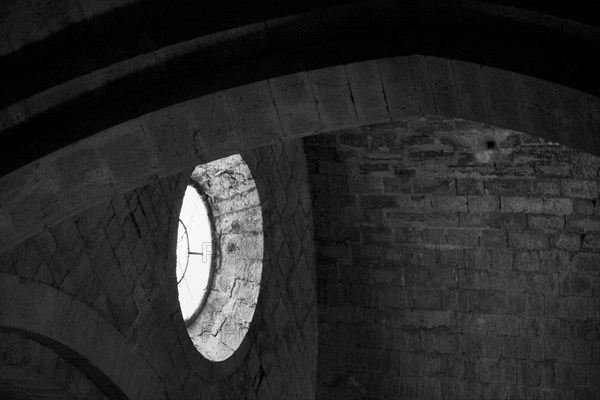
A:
(219, 256)
(194, 253)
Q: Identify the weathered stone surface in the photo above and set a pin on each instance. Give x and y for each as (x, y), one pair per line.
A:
(464, 262)
(75, 67)
(116, 260)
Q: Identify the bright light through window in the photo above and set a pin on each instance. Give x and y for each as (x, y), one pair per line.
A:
(194, 248)
(218, 296)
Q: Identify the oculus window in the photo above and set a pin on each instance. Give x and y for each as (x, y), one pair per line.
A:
(219, 256)
(194, 253)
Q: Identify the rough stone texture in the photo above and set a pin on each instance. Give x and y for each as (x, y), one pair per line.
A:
(455, 261)
(287, 327)
(118, 258)
(237, 224)
(101, 98)
(168, 140)
(41, 365)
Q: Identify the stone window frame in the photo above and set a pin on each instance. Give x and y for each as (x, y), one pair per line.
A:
(236, 264)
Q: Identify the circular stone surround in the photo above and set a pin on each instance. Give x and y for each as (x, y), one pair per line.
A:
(219, 325)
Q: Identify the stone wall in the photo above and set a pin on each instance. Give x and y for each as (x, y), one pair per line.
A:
(42, 373)
(118, 259)
(284, 363)
(455, 261)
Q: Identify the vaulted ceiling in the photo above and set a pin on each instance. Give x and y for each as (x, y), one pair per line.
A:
(99, 100)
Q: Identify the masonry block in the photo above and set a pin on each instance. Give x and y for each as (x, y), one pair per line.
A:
(540, 107)
(588, 263)
(399, 87)
(443, 85)
(522, 205)
(528, 374)
(128, 159)
(545, 223)
(214, 132)
(483, 204)
(441, 343)
(255, 114)
(449, 203)
(569, 375)
(502, 98)
(470, 91)
(295, 103)
(171, 132)
(422, 81)
(579, 189)
(493, 370)
(332, 93)
(368, 92)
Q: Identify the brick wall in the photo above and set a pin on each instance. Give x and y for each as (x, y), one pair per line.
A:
(455, 261)
(116, 258)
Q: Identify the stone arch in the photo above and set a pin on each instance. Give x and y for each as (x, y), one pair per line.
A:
(284, 108)
(434, 29)
(29, 369)
(246, 104)
(79, 334)
(190, 55)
